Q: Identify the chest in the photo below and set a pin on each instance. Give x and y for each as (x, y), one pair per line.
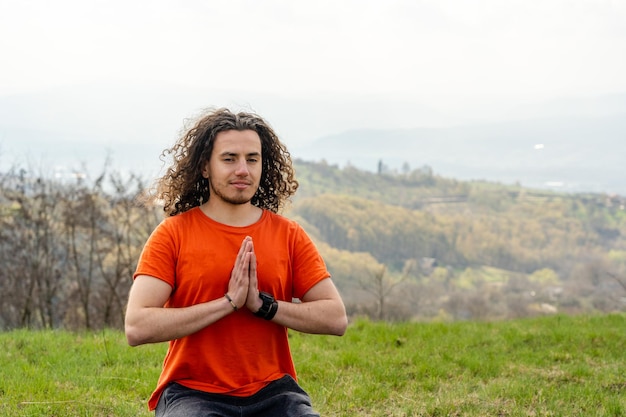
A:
(205, 262)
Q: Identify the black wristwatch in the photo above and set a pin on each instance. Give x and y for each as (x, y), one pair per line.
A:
(269, 308)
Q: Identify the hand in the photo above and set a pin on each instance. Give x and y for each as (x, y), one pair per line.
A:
(239, 283)
(253, 302)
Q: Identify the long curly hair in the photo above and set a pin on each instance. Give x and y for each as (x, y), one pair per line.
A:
(183, 186)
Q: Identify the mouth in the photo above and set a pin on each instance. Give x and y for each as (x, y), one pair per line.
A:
(240, 185)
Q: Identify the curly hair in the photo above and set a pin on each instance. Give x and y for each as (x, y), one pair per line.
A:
(183, 186)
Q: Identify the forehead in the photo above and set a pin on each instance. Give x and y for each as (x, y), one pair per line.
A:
(237, 141)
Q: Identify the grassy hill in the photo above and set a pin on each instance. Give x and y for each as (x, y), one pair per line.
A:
(551, 366)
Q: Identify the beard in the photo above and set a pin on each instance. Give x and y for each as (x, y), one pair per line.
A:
(234, 198)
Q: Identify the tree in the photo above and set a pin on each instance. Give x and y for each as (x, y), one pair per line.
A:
(30, 280)
(380, 285)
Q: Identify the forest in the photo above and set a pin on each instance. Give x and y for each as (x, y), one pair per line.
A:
(401, 246)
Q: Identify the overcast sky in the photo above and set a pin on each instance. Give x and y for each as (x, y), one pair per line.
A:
(432, 48)
(429, 57)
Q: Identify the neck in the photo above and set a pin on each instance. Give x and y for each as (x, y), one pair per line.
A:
(237, 215)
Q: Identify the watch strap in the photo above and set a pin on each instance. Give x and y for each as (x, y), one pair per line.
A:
(269, 308)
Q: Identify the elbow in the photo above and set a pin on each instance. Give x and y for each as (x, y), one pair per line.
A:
(338, 331)
(136, 329)
(343, 327)
(340, 323)
(340, 326)
(133, 336)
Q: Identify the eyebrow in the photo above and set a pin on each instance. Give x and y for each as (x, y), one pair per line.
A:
(227, 153)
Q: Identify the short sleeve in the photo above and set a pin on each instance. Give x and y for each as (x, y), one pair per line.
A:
(159, 255)
(308, 266)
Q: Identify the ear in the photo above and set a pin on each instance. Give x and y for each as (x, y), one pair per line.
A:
(205, 170)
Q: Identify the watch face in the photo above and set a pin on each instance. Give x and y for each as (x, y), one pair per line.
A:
(269, 307)
(265, 296)
(267, 304)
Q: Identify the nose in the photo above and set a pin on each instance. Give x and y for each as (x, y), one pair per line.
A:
(242, 168)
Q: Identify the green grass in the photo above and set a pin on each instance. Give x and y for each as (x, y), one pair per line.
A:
(551, 366)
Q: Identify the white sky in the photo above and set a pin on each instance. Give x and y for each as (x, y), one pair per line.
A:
(437, 49)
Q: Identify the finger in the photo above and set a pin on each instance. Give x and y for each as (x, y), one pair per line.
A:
(238, 283)
(252, 271)
(253, 290)
(245, 247)
(240, 261)
(240, 280)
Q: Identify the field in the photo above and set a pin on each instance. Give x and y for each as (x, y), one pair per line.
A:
(549, 366)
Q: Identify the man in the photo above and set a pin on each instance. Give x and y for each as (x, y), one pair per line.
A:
(218, 277)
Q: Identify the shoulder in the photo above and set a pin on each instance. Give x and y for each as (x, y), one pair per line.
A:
(288, 229)
(180, 219)
(278, 220)
(175, 225)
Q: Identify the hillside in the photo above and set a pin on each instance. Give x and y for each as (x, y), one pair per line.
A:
(468, 249)
(400, 246)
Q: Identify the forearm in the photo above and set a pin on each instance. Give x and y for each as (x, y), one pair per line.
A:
(159, 324)
(318, 317)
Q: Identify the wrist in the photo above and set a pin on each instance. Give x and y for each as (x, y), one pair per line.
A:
(231, 302)
(258, 306)
(269, 306)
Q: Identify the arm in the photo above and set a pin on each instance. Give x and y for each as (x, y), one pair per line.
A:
(321, 310)
(148, 321)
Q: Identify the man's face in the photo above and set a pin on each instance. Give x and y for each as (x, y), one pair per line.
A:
(234, 168)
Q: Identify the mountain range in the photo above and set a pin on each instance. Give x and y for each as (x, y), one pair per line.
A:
(573, 154)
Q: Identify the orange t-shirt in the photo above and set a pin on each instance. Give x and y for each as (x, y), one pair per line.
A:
(239, 354)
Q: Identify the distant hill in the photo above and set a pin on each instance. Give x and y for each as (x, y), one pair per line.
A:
(572, 154)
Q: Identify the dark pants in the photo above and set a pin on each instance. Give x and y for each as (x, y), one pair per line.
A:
(283, 397)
